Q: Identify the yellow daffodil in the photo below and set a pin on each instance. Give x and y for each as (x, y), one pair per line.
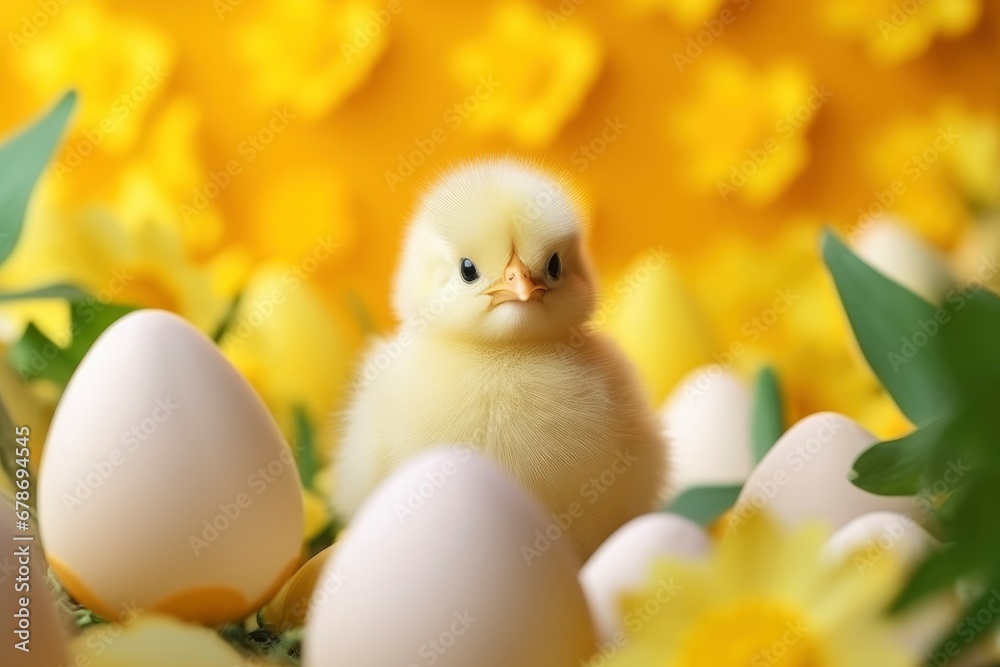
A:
(312, 54)
(526, 77)
(689, 14)
(895, 31)
(742, 132)
(119, 63)
(140, 264)
(764, 598)
(155, 641)
(294, 348)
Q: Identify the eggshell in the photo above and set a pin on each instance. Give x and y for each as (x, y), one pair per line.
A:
(707, 422)
(165, 484)
(898, 253)
(625, 559)
(448, 563)
(22, 576)
(804, 478)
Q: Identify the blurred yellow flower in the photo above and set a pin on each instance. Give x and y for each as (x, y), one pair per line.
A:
(316, 512)
(141, 264)
(764, 597)
(155, 641)
(689, 14)
(312, 54)
(895, 31)
(743, 130)
(525, 76)
(120, 63)
(649, 312)
(974, 163)
(293, 347)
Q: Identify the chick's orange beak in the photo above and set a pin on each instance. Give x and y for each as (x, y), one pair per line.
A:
(516, 284)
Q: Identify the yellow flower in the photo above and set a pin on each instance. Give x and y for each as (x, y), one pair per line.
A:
(527, 77)
(975, 161)
(140, 264)
(155, 641)
(294, 348)
(118, 63)
(689, 14)
(289, 608)
(316, 512)
(743, 131)
(895, 31)
(654, 319)
(764, 597)
(312, 54)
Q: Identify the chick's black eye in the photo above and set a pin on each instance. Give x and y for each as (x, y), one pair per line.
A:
(470, 273)
(555, 267)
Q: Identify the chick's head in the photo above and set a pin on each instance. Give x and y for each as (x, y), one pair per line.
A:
(495, 253)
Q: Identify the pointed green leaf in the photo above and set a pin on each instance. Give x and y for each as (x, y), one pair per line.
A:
(22, 159)
(705, 504)
(897, 331)
(57, 291)
(305, 447)
(768, 418)
(897, 467)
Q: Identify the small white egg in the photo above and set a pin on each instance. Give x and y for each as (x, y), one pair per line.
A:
(869, 537)
(707, 422)
(804, 478)
(165, 484)
(624, 561)
(32, 630)
(898, 253)
(448, 563)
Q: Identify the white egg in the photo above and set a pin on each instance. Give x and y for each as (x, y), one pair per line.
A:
(898, 253)
(868, 538)
(449, 563)
(707, 422)
(165, 484)
(32, 630)
(805, 477)
(624, 561)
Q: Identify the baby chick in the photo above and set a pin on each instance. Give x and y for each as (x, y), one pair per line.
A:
(494, 292)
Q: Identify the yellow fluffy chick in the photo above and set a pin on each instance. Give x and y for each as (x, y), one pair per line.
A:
(494, 292)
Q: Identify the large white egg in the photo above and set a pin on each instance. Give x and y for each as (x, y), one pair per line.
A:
(33, 633)
(804, 478)
(707, 423)
(898, 253)
(449, 563)
(165, 484)
(624, 562)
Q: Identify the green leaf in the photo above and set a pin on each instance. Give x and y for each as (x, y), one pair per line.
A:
(897, 331)
(22, 159)
(35, 356)
(305, 447)
(705, 504)
(897, 467)
(57, 291)
(768, 418)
